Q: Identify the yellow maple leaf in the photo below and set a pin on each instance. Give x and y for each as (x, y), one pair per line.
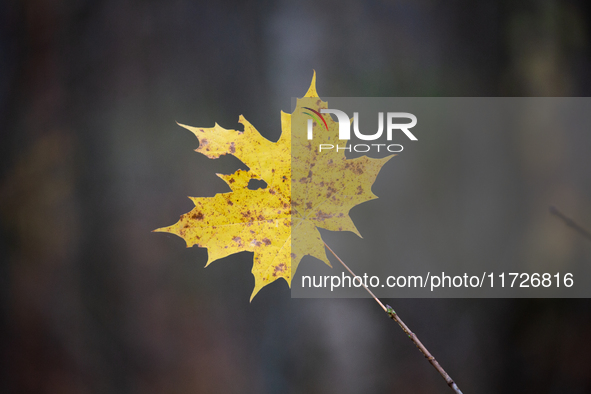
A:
(278, 223)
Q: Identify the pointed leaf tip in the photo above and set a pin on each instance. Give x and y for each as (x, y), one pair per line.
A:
(312, 90)
(254, 292)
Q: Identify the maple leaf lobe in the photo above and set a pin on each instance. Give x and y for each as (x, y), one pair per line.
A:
(279, 224)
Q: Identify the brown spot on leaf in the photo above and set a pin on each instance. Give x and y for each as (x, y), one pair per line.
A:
(279, 268)
(197, 216)
(230, 202)
(321, 215)
(309, 205)
(272, 191)
(267, 241)
(232, 148)
(354, 167)
(293, 255)
(310, 174)
(232, 180)
(359, 190)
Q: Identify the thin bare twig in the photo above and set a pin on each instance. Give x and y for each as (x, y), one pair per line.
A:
(394, 316)
(570, 223)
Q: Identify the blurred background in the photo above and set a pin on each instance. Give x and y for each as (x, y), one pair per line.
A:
(91, 161)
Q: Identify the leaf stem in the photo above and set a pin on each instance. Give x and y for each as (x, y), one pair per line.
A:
(352, 273)
(394, 316)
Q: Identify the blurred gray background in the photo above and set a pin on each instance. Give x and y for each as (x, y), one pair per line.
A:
(91, 161)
